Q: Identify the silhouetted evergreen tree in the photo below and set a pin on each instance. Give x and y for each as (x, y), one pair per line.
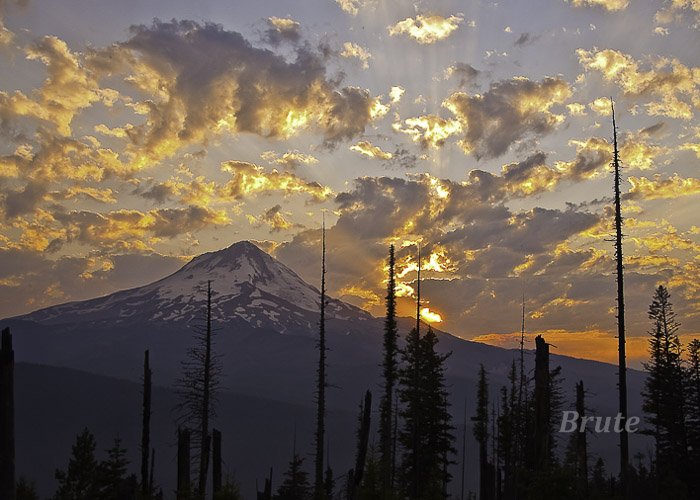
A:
(7, 417)
(230, 490)
(114, 481)
(371, 487)
(599, 488)
(296, 482)
(146, 428)
(426, 433)
(693, 413)
(664, 398)
(390, 375)
(80, 480)
(26, 490)
(197, 390)
(507, 428)
(321, 382)
(329, 483)
(481, 434)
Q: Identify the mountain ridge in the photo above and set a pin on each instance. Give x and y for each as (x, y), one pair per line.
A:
(247, 284)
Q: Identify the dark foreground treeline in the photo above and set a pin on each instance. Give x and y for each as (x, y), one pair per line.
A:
(521, 453)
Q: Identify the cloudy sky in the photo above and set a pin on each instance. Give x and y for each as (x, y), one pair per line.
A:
(138, 134)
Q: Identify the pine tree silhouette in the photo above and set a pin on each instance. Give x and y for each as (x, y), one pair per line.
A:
(664, 396)
(80, 480)
(146, 428)
(390, 374)
(7, 417)
(481, 434)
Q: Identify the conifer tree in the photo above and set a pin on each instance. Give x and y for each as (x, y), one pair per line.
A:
(80, 480)
(296, 482)
(481, 434)
(7, 417)
(26, 490)
(507, 427)
(693, 414)
(438, 432)
(664, 395)
(146, 427)
(114, 482)
(390, 374)
(411, 413)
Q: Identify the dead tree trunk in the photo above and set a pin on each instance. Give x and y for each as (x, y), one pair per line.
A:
(216, 462)
(622, 358)
(581, 445)
(146, 426)
(362, 443)
(183, 464)
(7, 418)
(542, 404)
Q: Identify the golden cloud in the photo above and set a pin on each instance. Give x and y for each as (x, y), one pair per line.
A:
(290, 160)
(426, 29)
(660, 188)
(429, 130)
(368, 149)
(610, 5)
(68, 88)
(273, 218)
(352, 50)
(124, 229)
(676, 86)
(248, 178)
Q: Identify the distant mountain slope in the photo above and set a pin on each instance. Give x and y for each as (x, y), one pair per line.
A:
(55, 404)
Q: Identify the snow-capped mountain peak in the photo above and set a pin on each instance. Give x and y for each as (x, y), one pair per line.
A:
(247, 285)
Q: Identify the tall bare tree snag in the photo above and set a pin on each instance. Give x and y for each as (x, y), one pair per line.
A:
(216, 463)
(622, 359)
(581, 445)
(183, 464)
(146, 426)
(319, 490)
(197, 390)
(542, 405)
(7, 417)
(362, 444)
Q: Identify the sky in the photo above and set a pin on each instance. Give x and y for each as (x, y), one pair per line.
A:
(135, 135)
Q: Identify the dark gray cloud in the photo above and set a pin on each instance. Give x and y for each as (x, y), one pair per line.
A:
(510, 111)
